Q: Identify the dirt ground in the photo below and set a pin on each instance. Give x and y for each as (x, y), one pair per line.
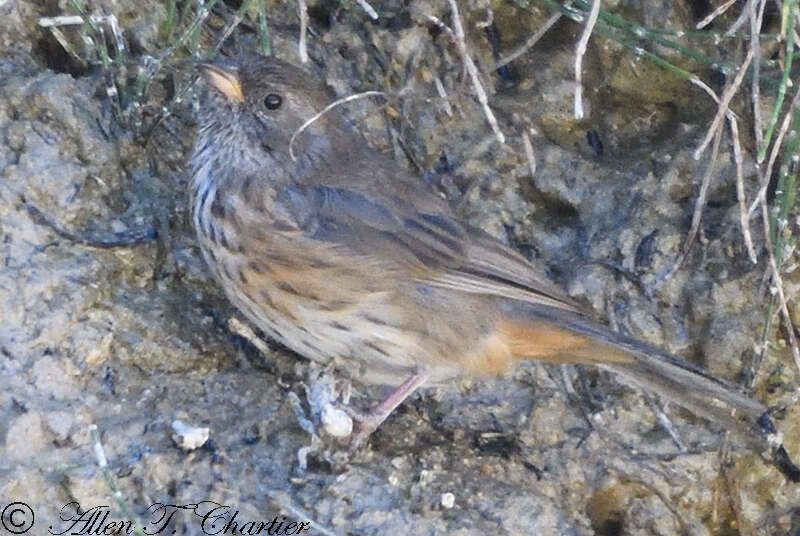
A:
(130, 339)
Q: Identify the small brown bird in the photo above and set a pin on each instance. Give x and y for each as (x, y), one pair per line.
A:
(335, 251)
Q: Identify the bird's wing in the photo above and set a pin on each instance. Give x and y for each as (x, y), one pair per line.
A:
(437, 248)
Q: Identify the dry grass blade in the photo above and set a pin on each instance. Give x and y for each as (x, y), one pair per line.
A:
(238, 17)
(743, 16)
(700, 203)
(744, 220)
(368, 9)
(788, 20)
(755, 14)
(580, 50)
(532, 40)
(302, 47)
(325, 110)
(529, 154)
(102, 463)
(777, 281)
(702, 85)
(722, 109)
(457, 35)
(472, 70)
(765, 179)
(714, 14)
(443, 94)
(714, 132)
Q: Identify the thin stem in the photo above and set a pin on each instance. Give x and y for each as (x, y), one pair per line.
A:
(263, 30)
(580, 50)
(776, 111)
(238, 17)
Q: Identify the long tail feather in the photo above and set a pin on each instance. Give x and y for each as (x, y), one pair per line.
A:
(560, 336)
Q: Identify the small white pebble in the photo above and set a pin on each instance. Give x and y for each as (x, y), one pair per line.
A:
(335, 421)
(448, 500)
(189, 437)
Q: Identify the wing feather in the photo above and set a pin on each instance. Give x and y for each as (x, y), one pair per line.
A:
(435, 246)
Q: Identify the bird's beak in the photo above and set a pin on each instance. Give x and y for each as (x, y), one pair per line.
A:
(225, 79)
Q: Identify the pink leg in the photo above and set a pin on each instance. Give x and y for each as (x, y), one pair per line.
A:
(370, 420)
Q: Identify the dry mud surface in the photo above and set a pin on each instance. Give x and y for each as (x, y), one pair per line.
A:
(129, 339)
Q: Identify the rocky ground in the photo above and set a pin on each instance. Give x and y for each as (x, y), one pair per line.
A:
(130, 339)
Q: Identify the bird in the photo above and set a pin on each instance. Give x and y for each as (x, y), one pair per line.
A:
(343, 256)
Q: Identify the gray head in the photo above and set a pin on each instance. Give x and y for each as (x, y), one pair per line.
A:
(256, 103)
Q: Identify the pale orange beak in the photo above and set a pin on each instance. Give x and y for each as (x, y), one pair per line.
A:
(224, 78)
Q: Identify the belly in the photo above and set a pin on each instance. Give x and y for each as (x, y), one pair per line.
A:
(324, 317)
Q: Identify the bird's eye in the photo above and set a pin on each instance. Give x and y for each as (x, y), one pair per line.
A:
(273, 101)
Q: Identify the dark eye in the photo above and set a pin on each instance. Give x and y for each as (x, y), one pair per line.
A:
(273, 101)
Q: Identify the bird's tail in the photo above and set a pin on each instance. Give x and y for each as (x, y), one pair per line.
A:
(561, 336)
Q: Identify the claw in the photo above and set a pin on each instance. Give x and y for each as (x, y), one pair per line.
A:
(368, 421)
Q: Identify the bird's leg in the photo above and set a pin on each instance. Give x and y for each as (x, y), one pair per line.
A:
(369, 421)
